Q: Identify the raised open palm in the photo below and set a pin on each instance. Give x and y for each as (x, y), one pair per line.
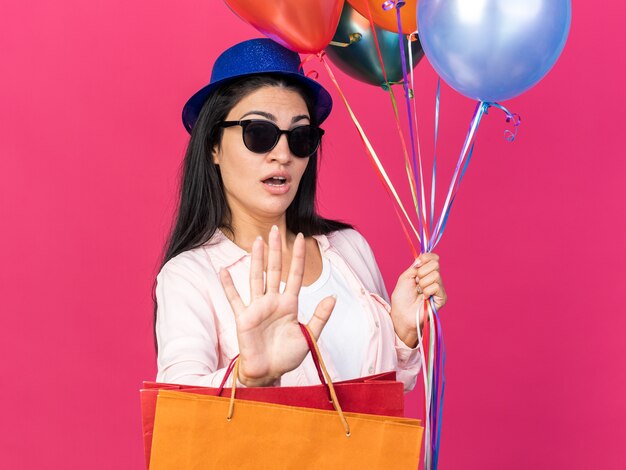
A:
(270, 340)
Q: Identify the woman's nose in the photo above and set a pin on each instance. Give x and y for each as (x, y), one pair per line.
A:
(281, 152)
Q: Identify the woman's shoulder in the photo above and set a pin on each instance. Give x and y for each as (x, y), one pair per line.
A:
(344, 234)
(349, 238)
(354, 249)
(195, 260)
(189, 264)
(208, 258)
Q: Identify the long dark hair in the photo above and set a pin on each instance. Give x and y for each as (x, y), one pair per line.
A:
(202, 206)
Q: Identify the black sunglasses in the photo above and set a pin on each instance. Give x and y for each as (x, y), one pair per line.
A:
(260, 136)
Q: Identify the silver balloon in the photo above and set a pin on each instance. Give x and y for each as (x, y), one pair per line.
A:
(493, 50)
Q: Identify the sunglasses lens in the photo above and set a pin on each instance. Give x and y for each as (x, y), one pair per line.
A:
(304, 141)
(260, 136)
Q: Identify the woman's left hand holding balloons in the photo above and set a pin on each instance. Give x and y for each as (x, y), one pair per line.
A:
(415, 285)
(304, 26)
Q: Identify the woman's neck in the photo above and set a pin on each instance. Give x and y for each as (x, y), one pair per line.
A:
(247, 229)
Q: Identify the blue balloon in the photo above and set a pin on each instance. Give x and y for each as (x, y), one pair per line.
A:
(493, 50)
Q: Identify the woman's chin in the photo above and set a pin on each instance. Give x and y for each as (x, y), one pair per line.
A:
(273, 206)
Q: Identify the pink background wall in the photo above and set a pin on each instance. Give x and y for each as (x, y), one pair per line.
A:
(533, 258)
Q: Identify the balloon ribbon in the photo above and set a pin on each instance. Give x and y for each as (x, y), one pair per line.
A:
(376, 163)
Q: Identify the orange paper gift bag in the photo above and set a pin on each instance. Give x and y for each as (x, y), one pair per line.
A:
(193, 431)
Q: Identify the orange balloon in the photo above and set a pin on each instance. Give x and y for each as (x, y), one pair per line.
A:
(387, 19)
(305, 26)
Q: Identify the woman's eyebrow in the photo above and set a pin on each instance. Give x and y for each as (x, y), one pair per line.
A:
(299, 118)
(269, 116)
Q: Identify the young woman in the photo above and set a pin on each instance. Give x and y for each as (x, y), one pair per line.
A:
(249, 257)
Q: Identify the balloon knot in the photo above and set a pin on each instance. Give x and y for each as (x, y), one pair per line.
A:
(387, 85)
(355, 37)
(309, 57)
(516, 119)
(389, 4)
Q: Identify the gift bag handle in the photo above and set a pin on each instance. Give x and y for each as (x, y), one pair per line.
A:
(315, 352)
(315, 355)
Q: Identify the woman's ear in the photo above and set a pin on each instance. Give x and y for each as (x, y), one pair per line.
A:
(214, 155)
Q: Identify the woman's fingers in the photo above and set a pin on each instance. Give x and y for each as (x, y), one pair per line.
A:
(433, 289)
(425, 272)
(274, 261)
(257, 287)
(296, 270)
(425, 264)
(321, 315)
(428, 280)
(428, 268)
(425, 258)
(431, 285)
(231, 292)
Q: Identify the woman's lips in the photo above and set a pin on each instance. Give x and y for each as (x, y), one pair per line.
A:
(277, 183)
(277, 189)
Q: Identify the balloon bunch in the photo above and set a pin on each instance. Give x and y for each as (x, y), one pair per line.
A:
(487, 50)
